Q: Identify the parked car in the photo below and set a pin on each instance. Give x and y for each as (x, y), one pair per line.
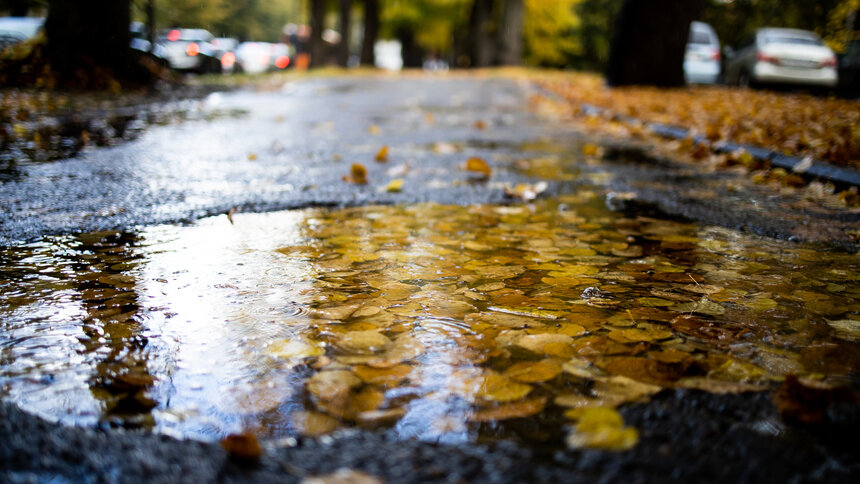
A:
(782, 56)
(191, 50)
(253, 57)
(702, 59)
(14, 30)
(226, 52)
(140, 43)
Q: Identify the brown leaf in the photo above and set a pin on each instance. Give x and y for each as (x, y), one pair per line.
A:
(357, 174)
(244, 446)
(382, 155)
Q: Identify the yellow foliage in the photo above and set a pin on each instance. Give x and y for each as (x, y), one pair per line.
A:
(547, 31)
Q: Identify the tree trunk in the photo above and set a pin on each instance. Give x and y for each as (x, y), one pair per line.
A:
(83, 34)
(345, 27)
(511, 34)
(649, 42)
(19, 8)
(317, 48)
(371, 32)
(412, 53)
(150, 24)
(480, 24)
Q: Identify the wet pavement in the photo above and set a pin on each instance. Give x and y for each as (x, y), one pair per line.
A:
(439, 318)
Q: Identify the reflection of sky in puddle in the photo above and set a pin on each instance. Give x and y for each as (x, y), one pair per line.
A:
(175, 327)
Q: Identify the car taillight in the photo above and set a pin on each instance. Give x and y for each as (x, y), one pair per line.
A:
(716, 55)
(762, 57)
(192, 49)
(831, 62)
(282, 62)
(228, 59)
(173, 35)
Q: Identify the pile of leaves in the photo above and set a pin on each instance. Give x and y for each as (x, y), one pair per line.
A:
(791, 123)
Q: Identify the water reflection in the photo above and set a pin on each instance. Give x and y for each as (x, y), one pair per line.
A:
(441, 323)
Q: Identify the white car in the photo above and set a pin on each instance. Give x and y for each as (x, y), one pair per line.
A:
(783, 56)
(702, 59)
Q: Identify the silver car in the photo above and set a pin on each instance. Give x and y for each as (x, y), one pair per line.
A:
(783, 56)
(702, 59)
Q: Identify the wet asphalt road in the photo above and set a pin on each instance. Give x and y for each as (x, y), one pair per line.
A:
(285, 149)
(290, 148)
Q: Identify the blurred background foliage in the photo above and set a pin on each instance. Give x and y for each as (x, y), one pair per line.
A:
(556, 33)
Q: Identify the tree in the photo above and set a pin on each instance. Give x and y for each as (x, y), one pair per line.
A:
(481, 28)
(550, 32)
(83, 35)
(511, 33)
(317, 47)
(371, 32)
(345, 24)
(649, 42)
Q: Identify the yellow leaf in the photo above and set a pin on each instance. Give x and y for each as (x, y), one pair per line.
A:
(533, 372)
(374, 129)
(506, 411)
(289, 349)
(362, 342)
(590, 149)
(382, 155)
(477, 165)
(602, 428)
(313, 424)
(395, 185)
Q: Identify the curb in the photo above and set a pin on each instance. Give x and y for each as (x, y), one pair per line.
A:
(806, 166)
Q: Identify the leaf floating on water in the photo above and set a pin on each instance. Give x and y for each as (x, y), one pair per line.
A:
(602, 428)
(479, 166)
(761, 304)
(357, 174)
(394, 186)
(362, 342)
(388, 377)
(703, 306)
(244, 446)
(848, 329)
(288, 349)
(313, 424)
(507, 411)
(374, 129)
(526, 311)
(382, 155)
(533, 372)
(480, 125)
(252, 156)
(499, 388)
(332, 385)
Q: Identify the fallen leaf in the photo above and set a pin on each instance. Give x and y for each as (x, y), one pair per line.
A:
(477, 165)
(244, 446)
(294, 348)
(602, 428)
(507, 411)
(357, 174)
(395, 185)
(533, 372)
(382, 155)
(313, 424)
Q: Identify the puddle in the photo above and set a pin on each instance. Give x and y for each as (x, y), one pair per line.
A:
(443, 323)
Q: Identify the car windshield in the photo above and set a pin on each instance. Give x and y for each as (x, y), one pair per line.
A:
(792, 39)
(20, 27)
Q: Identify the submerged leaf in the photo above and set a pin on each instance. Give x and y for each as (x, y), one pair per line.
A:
(602, 428)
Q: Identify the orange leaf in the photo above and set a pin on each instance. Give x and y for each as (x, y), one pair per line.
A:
(357, 174)
(477, 165)
(382, 155)
(244, 446)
